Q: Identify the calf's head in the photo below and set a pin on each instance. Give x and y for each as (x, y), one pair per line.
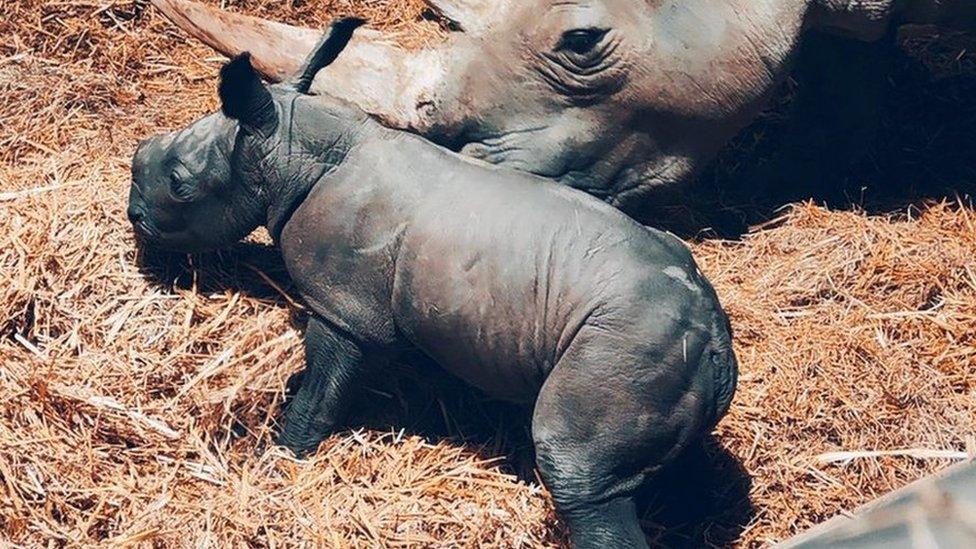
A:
(210, 184)
(183, 196)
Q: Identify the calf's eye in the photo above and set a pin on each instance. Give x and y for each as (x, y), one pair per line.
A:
(581, 41)
(179, 188)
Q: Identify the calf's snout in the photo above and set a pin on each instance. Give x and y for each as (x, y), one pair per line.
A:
(141, 162)
(135, 213)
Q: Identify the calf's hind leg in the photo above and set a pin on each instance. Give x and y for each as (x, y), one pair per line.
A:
(610, 414)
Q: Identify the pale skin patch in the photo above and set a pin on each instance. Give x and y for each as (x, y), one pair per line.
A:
(679, 274)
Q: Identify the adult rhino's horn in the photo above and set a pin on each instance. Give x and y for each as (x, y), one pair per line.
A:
(375, 74)
(277, 50)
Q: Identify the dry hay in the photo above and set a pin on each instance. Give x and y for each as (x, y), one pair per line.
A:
(138, 403)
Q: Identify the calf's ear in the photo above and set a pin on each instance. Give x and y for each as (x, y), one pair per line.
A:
(326, 51)
(245, 98)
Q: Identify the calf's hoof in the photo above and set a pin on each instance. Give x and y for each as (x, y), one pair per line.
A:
(301, 446)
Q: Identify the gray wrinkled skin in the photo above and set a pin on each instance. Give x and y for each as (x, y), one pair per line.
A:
(527, 289)
(623, 99)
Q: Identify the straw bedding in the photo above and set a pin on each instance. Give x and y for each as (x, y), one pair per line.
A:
(139, 394)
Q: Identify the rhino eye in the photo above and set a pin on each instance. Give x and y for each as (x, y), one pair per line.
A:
(581, 41)
(587, 64)
(181, 189)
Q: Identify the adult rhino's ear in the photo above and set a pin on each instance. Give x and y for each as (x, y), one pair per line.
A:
(326, 51)
(245, 98)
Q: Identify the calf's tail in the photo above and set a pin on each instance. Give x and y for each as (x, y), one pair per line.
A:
(719, 361)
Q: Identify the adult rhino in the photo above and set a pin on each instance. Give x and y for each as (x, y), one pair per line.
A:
(623, 99)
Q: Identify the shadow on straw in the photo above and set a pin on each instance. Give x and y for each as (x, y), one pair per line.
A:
(700, 501)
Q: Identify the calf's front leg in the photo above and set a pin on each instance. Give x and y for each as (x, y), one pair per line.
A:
(333, 362)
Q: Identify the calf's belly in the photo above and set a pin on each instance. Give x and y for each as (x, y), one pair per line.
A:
(500, 362)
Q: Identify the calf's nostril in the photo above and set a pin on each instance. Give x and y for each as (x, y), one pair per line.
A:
(135, 214)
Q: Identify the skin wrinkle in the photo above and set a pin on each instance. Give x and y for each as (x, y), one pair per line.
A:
(638, 183)
(606, 59)
(291, 127)
(583, 84)
(328, 157)
(599, 62)
(546, 322)
(589, 317)
(481, 147)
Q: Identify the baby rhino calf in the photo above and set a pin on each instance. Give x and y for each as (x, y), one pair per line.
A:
(526, 289)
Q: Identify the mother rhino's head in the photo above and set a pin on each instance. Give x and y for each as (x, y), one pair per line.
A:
(621, 98)
(625, 99)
